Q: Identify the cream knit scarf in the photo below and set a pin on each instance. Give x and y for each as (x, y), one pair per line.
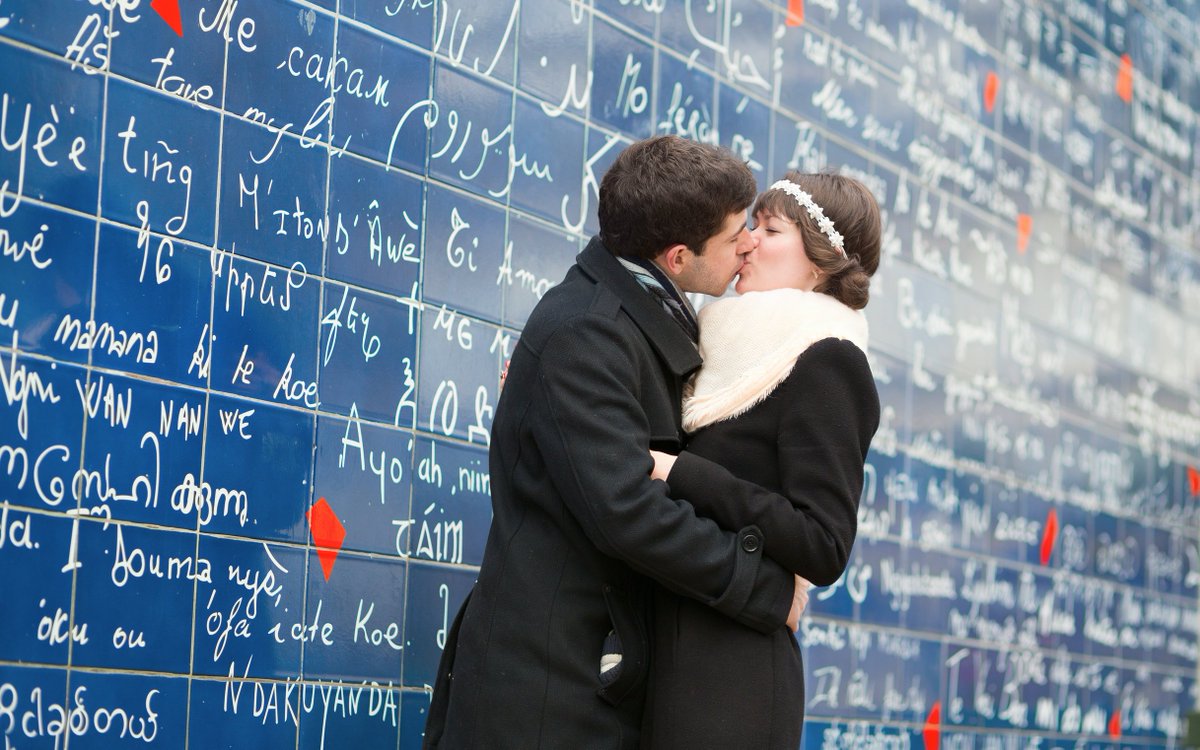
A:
(750, 345)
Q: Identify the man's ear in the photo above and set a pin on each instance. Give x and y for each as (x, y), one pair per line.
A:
(673, 258)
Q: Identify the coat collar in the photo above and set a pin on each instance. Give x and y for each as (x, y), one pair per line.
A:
(663, 333)
(750, 345)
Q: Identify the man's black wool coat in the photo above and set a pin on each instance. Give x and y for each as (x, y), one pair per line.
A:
(579, 529)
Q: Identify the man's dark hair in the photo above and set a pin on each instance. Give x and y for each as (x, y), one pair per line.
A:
(667, 190)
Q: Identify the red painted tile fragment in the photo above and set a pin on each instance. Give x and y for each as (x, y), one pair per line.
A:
(1024, 229)
(1125, 79)
(168, 10)
(795, 14)
(1049, 536)
(327, 534)
(991, 87)
(933, 727)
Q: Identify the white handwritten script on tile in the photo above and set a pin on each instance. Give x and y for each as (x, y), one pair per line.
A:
(261, 262)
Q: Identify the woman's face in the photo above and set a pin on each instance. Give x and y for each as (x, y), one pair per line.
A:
(779, 261)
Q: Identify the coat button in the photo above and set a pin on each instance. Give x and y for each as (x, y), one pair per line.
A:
(750, 543)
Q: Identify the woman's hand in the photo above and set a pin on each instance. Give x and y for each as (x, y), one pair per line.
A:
(662, 465)
(799, 603)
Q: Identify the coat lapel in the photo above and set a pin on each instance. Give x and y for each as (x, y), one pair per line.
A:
(664, 334)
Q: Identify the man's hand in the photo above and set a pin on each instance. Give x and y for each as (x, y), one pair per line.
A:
(799, 603)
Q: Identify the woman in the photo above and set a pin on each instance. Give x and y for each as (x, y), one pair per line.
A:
(781, 416)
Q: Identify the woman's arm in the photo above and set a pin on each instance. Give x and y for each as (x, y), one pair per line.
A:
(830, 411)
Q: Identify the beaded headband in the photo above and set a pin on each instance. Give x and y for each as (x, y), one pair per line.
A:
(807, 202)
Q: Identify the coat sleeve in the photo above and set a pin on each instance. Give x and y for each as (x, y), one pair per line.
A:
(588, 422)
(829, 411)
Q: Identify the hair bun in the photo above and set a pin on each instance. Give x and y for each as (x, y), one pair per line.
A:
(851, 287)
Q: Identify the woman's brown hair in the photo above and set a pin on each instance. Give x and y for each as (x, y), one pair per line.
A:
(855, 215)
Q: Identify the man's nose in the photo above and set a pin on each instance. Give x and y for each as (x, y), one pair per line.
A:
(749, 241)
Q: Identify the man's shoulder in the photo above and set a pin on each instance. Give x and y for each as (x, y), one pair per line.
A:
(577, 302)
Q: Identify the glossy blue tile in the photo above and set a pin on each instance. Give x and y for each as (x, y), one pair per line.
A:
(273, 196)
(796, 145)
(161, 174)
(857, 594)
(411, 20)
(745, 127)
(366, 472)
(142, 711)
(470, 131)
(816, 734)
(237, 494)
(480, 37)
(545, 172)
(247, 714)
(451, 505)
(49, 104)
(29, 689)
(805, 54)
(414, 707)
(375, 226)
(38, 626)
(264, 321)
(41, 435)
(435, 594)
(536, 259)
(925, 589)
(247, 615)
(360, 715)
(83, 29)
(622, 69)
(142, 451)
(355, 619)
(602, 150)
(690, 32)
(47, 277)
(916, 485)
(552, 65)
(294, 92)
(368, 342)
(190, 66)
(380, 108)
(134, 590)
(685, 102)
(458, 379)
(1026, 550)
(152, 304)
(638, 16)
(824, 648)
(464, 248)
(744, 41)
(899, 34)
(896, 676)
(881, 515)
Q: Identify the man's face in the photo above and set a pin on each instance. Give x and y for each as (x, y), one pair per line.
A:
(711, 271)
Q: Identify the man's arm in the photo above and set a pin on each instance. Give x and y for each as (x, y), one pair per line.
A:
(594, 434)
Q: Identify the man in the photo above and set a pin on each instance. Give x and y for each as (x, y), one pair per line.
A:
(580, 532)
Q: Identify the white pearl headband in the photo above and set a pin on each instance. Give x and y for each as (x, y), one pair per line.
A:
(807, 202)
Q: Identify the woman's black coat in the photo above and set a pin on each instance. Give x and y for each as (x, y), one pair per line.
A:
(792, 466)
(579, 529)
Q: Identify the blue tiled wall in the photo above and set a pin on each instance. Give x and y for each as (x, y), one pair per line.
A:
(257, 283)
